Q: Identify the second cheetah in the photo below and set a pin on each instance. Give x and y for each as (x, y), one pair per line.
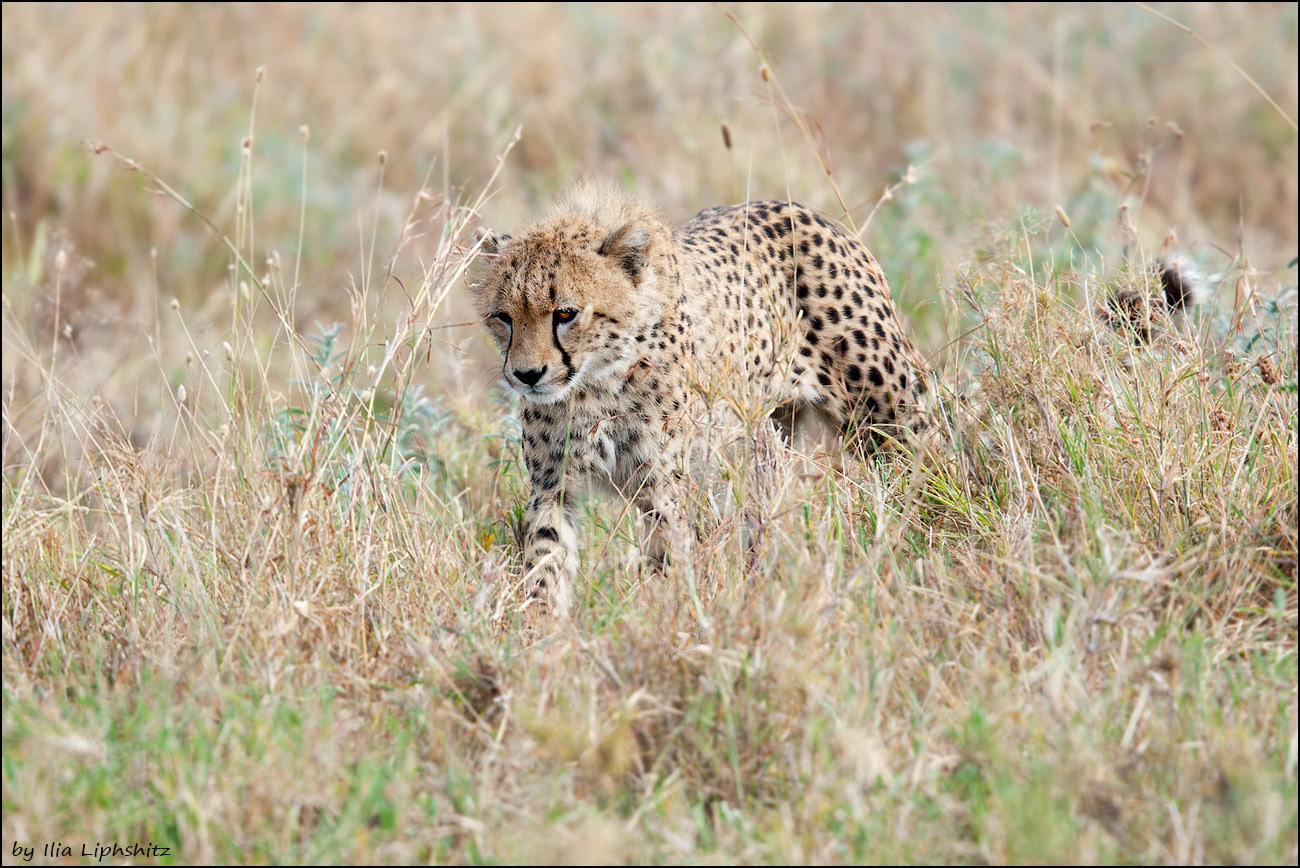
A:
(627, 340)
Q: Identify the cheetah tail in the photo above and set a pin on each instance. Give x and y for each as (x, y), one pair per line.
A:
(1183, 285)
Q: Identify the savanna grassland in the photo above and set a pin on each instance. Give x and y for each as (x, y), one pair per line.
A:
(261, 581)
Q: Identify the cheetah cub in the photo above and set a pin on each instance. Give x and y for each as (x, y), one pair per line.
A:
(629, 341)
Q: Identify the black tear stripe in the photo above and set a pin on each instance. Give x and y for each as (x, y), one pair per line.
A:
(564, 356)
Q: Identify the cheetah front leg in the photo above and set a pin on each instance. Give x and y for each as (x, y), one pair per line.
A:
(663, 528)
(550, 550)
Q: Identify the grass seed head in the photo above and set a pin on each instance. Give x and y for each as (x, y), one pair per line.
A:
(1268, 371)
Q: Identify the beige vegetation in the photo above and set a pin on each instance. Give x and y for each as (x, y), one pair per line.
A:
(260, 572)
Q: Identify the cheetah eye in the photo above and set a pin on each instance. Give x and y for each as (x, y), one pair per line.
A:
(503, 316)
(565, 314)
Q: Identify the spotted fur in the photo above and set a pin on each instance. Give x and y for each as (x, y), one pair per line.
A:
(628, 341)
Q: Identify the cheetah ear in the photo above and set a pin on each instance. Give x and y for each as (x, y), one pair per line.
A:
(628, 246)
(492, 241)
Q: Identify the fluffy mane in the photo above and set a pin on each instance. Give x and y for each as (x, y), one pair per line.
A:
(605, 205)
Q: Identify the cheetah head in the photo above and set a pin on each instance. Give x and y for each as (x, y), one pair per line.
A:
(563, 300)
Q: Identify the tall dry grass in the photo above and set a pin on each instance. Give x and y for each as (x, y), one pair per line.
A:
(261, 592)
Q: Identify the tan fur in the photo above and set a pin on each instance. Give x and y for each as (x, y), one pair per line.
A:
(629, 342)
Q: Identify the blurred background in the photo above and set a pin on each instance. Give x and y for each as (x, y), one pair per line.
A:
(1004, 112)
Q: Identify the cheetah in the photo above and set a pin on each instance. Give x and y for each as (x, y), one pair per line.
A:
(627, 340)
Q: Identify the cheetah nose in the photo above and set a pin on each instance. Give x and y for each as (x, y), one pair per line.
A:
(530, 378)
